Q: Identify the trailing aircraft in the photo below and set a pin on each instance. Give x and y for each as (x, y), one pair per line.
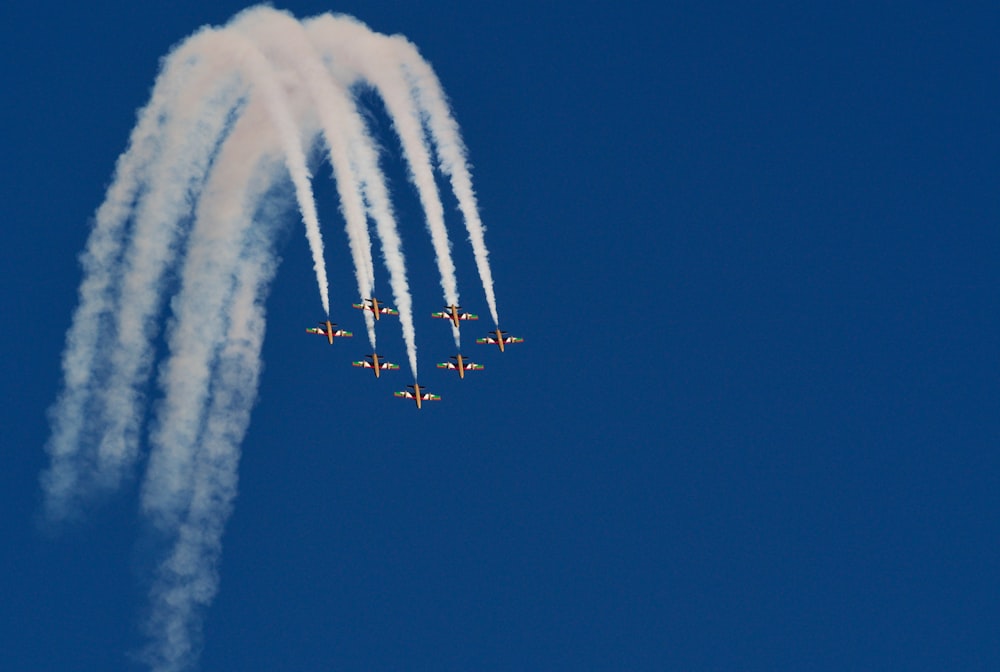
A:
(376, 307)
(499, 337)
(416, 392)
(452, 313)
(461, 365)
(327, 329)
(376, 364)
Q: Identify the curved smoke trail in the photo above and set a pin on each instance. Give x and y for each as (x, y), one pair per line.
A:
(200, 195)
(360, 54)
(279, 35)
(451, 152)
(70, 476)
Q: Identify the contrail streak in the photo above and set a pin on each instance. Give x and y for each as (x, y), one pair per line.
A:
(360, 182)
(69, 478)
(192, 216)
(361, 54)
(295, 158)
(210, 384)
(190, 139)
(187, 580)
(284, 38)
(451, 153)
(197, 329)
(196, 325)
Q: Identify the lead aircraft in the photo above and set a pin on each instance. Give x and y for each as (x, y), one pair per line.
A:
(416, 393)
(452, 313)
(499, 337)
(461, 365)
(376, 307)
(327, 329)
(375, 362)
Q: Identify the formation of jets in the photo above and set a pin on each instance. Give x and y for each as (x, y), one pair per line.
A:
(377, 363)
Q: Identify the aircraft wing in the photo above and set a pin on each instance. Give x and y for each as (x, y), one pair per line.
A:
(443, 316)
(316, 330)
(359, 306)
(367, 364)
(469, 366)
(403, 395)
(388, 311)
(342, 333)
(468, 316)
(513, 339)
(488, 340)
(427, 396)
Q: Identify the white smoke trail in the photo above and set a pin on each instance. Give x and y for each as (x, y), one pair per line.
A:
(451, 153)
(229, 106)
(359, 53)
(70, 477)
(187, 580)
(282, 39)
(157, 228)
(197, 327)
(210, 384)
(171, 149)
(295, 158)
(353, 157)
(190, 140)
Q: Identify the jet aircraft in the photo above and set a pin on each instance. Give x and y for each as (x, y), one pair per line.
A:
(499, 337)
(416, 392)
(452, 313)
(375, 362)
(327, 329)
(461, 365)
(376, 307)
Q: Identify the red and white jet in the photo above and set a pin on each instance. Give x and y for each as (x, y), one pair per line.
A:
(376, 307)
(452, 313)
(499, 337)
(327, 329)
(461, 365)
(416, 392)
(375, 362)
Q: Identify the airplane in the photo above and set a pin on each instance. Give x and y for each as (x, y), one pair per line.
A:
(327, 329)
(498, 337)
(417, 394)
(376, 307)
(461, 365)
(451, 313)
(376, 364)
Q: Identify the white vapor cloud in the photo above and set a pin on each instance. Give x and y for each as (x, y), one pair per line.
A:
(359, 53)
(186, 236)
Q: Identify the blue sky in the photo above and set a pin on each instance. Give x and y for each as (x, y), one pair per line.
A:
(754, 422)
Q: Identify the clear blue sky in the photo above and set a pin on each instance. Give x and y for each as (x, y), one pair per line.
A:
(754, 424)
